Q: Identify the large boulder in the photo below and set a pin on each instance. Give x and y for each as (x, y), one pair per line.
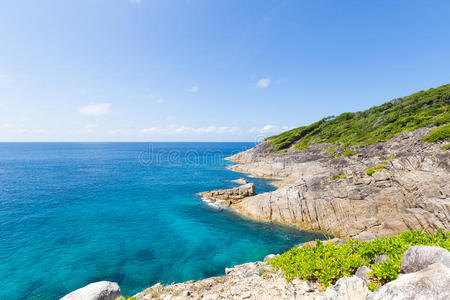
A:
(417, 258)
(430, 283)
(347, 288)
(102, 290)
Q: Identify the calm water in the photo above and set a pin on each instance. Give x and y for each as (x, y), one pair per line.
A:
(74, 213)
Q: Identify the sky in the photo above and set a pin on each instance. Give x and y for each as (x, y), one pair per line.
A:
(203, 70)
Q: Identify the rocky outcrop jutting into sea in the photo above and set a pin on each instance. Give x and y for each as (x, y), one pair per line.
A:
(384, 189)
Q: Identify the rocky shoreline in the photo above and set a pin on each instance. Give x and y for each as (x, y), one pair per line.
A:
(379, 190)
(425, 274)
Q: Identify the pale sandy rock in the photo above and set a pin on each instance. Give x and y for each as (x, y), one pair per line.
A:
(247, 281)
(229, 196)
(102, 290)
(240, 181)
(347, 288)
(430, 283)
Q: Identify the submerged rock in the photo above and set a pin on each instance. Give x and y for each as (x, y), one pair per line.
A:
(102, 290)
(240, 181)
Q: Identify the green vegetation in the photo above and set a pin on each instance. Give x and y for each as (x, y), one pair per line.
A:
(378, 168)
(128, 298)
(327, 263)
(438, 134)
(377, 124)
(347, 152)
(337, 177)
(446, 146)
(369, 171)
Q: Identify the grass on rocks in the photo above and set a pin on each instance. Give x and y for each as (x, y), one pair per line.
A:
(377, 124)
(327, 263)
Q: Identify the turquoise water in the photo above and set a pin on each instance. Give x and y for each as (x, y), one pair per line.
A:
(74, 213)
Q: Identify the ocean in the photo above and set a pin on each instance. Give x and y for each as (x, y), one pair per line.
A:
(75, 213)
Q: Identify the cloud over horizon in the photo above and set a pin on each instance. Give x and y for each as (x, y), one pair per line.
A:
(263, 83)
(95, 109)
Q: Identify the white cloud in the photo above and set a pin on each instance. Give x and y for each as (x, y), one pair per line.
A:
(148, 130)
(170, 118)
(95, 109)
(138, 2)
(193, 89)
(193, 130)
(263, 83)
(266, 129)
(5, 126)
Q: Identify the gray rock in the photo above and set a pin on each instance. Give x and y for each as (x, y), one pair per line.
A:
(381, 258)
(430, 283)
(414, 195)
(417, 258)
(362, 273)
(308, 287)
(347, 288)
(380, 176)
(102, 290)
(269, 257)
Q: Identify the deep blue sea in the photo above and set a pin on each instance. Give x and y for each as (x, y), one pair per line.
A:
(75, 213)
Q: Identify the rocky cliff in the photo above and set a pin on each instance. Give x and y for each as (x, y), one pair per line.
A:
(381, 189)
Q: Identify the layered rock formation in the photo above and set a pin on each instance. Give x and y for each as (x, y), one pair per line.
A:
(406, 188)
(230, 196)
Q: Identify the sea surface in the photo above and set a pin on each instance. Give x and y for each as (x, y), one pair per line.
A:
(75, 213)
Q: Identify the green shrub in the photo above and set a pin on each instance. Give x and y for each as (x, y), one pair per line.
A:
(377, 168)
(347, 152)
(369, 171)
(438, 134)
(338, 177)
(377, 124)
(446, 146)
(328, 263)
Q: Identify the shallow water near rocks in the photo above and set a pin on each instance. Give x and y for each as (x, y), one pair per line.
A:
(75, 213)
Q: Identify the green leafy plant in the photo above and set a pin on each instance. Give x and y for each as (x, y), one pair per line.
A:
(446, 146)
(369, 171)
(378, 168)
(327, 263)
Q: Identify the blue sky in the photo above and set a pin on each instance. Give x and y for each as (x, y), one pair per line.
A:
(202, 70)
